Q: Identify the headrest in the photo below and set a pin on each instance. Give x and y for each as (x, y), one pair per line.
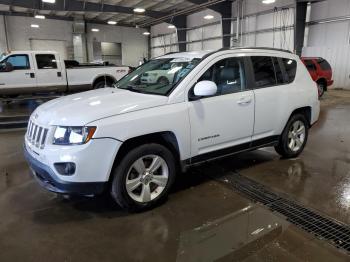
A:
(228, 73)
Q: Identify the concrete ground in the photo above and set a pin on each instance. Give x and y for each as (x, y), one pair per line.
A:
(203, 220)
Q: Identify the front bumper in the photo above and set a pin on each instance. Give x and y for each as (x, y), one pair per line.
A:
(47, 178)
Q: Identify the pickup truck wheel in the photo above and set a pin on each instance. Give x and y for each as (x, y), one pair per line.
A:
(143, 177)
(321, 87)
(294, 137)
(102, 84)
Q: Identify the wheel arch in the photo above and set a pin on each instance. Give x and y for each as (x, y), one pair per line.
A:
(306, 111)
(323, 81)
(99, 78)
(165, 138)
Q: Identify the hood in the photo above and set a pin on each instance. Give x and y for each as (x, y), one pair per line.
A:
(83, 108)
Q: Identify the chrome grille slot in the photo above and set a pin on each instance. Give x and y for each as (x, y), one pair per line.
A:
(42, 143)
(34, 133)
(31, 129)
(37, 134)
(28, 128)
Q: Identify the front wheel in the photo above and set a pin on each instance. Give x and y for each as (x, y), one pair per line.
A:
(143, 177)
(163, 81)
(294, 137)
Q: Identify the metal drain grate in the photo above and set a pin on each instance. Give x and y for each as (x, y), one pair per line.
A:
(337, 233)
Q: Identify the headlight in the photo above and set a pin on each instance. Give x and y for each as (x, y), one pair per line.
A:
(77, 135)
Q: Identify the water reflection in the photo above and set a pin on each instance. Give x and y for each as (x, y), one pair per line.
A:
(237, 235)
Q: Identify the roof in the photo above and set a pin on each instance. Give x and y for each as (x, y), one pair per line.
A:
(190, 54)
(202, 54)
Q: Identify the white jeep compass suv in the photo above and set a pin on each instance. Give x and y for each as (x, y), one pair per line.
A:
(132, 139)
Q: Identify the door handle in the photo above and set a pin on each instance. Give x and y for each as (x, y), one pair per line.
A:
(32, 75)
(244, 101)
(59, 74)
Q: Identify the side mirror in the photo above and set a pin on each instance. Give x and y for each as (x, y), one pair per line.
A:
(6, 67)
(205, 88)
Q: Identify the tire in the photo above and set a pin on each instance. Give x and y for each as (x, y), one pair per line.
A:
(135, 197)
(102, 84)
(163, 81)
(321, 89)
(297, 130)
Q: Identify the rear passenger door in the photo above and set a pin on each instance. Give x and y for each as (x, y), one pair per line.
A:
(271, 78)
(49, 73)
(222, 122)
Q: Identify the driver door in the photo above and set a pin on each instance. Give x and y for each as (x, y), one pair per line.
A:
(223, 123)
(22, 76)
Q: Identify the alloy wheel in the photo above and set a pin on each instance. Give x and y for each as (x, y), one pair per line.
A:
(147, 178)
(296, 136)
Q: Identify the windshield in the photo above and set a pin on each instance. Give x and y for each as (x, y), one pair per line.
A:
(158, 76)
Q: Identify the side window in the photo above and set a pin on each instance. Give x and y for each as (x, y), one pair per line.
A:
(228, 74)
(264, 71)
(324, 64)
(19, 61)
(280, 76)
(290, 66)
(46, 61)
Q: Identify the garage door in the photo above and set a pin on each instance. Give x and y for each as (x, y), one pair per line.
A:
(50, 45)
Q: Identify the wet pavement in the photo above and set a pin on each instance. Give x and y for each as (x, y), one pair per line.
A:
(202, 220)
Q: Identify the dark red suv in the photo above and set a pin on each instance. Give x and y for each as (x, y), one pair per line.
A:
(320, 71)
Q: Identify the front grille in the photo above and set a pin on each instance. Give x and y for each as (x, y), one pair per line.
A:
(36, 134)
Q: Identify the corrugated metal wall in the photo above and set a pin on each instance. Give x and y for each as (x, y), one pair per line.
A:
(329, 38)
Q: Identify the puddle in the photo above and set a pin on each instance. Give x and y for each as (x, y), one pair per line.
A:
(237, 235)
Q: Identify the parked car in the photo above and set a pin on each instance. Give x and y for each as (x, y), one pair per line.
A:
(320, 71)
(36, 72)
(165, 74)
(132, 139)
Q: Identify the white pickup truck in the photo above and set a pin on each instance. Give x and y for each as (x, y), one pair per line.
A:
(31, 72)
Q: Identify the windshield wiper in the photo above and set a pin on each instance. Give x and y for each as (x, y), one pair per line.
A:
(133, 88)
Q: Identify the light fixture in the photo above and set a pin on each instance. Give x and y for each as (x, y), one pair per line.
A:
(171, 26)
(146, 33)
(49, 1)
(266, 2)
(139, 10)
(208, 17)
(112, 22)
(95, 30)
(34, 26)
(39, 16)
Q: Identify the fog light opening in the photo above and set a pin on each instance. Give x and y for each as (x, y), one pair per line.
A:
(65, 169)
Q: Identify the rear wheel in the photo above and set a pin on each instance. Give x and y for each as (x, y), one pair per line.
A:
(321, 88)
(143, 177)
(294, 137)
(102, 84)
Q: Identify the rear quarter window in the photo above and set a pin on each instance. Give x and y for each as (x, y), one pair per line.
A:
(290, 66)
(264, 71)
(324, 64)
